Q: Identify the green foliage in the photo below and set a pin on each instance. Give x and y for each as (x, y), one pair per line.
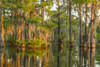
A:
(34, 19)
(98, 34)
(37, 43)
(50, 25)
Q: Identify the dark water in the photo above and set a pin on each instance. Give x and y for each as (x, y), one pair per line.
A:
(67, 57)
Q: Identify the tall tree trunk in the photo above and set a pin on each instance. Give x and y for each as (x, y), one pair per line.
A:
(42, 13)
(95, 19)
(80, 18)
(91, 25)
(1, 27)
(29, 32)
(22, 36)
(85, 39)
(70, 23)
(59, 40)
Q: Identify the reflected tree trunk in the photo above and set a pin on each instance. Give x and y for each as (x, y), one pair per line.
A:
(80, 57)
(21, 60)
(88, 54)
(70, 57)
(18, 61)
(1, 56)
(32, 61)
(85, 56)
(58, 59)
(92, 57)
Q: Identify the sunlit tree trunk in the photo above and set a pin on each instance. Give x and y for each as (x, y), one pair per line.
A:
(1, 27)
(92, 25)
(18, 33)
(23, 36)
(29, 32)
(96, 18)
(22, 27)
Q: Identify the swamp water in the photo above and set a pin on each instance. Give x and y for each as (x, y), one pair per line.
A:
(68, 57)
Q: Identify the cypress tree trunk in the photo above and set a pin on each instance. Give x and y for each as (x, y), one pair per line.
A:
(29, 32)
(1, 27)
(85, 39)
(59, 40)
(91, 25)
(18, 33)
(70, 24)
(80, 18)
(42, 13)
(26, 31)
(95, 21)
(22, 36)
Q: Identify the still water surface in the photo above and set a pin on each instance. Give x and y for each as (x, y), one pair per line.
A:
(68, 57)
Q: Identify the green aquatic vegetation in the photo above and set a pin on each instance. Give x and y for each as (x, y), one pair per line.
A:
(37, 43)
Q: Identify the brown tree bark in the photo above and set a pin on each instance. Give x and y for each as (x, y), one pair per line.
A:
(42, 13)
(1, 27)
(80, 20)
(70, 23)
(91, 25)
(85, 39)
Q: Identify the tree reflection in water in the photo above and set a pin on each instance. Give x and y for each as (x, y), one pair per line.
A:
(67, 58)
(1, 56)
(87, 57)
